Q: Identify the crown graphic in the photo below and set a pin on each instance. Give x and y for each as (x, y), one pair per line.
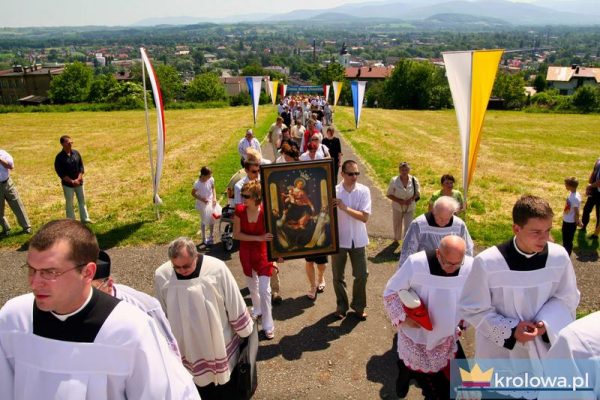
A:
(476, 377)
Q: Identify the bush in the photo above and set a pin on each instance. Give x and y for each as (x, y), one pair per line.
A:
(586, 98)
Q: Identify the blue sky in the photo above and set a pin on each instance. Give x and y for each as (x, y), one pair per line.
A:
(126, 12)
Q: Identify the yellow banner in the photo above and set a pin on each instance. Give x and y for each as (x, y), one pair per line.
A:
(484, 68)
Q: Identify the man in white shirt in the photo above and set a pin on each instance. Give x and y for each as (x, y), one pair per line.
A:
(274, 135)
(67, 340)
(354, 202)
(9, 193)
(248, 141)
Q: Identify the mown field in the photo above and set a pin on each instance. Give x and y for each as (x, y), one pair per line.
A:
(520, 153)
(114, 148)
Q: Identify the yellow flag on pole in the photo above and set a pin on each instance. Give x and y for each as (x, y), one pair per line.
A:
(471, 76)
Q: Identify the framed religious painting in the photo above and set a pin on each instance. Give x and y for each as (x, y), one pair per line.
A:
(298, 198)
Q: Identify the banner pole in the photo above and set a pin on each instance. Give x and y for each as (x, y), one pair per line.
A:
(149, 142)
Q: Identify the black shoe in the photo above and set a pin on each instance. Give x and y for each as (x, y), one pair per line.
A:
(403, 380)
(276, 300)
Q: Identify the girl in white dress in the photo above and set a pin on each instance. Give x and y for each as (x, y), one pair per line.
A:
(206, 199)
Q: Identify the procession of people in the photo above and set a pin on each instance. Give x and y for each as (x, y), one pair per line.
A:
(80, 335)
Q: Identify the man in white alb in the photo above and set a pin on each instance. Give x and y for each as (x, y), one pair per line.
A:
(67, 340)
(104, 281)
(437, 278)
(427, 230)
(522, 292)
(207, 314)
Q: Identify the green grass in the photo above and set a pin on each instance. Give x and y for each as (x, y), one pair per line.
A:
(520, 153)
(117, 180)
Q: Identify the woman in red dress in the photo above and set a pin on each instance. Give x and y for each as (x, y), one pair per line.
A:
(249, 229)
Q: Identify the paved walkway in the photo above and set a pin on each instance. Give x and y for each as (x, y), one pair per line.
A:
(313, 355)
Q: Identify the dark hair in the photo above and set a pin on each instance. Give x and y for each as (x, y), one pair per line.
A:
(205, 171)
(286, 129)
(447, 177)
(64, 138)
(346, 163)
(528, 207)
(82, 241)
(572, 182)
(248, 164)
(290, 150)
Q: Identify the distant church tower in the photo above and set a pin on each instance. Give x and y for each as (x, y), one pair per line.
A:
(344, 57)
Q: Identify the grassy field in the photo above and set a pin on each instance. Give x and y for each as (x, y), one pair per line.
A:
(117, 180)
(520, 153)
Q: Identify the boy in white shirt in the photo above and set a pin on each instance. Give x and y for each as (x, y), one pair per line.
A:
(571, 214)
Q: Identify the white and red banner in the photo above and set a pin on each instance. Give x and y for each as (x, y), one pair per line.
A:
(471, 75)
(161, 132)
(326, 92)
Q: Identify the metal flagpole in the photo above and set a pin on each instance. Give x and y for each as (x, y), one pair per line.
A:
(149, 142)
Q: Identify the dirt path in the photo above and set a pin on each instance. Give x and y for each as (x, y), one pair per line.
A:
(313, 355)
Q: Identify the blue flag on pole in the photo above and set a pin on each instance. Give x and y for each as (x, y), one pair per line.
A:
(254, 83)
(358, 94)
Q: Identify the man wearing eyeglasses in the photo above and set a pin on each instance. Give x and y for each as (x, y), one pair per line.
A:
(437, 278)
(104, 281)
(69, 340)
(68, 165)
(354, 202)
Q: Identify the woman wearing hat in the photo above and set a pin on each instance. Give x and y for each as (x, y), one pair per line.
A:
(403, 191)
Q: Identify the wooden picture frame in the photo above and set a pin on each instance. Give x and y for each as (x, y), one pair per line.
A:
(298, 198)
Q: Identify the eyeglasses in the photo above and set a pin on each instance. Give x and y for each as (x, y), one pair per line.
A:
(445, 263)
(352, 173)
(47, 274)
(254, 171)
(246, 196)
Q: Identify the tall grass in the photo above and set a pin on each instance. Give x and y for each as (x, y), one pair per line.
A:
(117, 181)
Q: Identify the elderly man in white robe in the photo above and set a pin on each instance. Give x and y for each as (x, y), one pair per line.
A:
(207, 314)
(437, 278)
(522, 292)
(67, 340)
(427, 230)
(104, 281)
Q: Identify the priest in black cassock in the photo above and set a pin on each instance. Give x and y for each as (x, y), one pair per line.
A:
(67, 340)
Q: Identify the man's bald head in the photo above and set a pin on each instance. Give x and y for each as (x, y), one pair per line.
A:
(451, 253)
